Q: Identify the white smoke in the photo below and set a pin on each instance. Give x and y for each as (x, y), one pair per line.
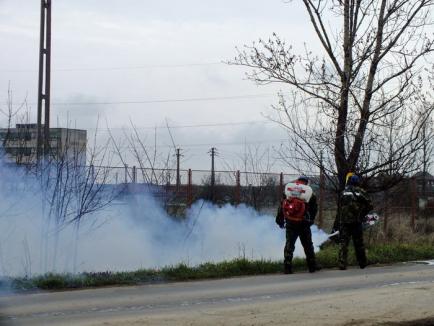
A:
(132, 234)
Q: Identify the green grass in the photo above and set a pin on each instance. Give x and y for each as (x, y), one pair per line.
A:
(327, 257)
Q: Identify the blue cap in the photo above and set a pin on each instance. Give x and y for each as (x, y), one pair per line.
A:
(354, 180)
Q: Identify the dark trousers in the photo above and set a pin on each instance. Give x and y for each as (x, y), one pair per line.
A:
(348, 231)
(294, 231)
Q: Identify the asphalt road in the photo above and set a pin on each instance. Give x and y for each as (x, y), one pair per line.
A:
(332, 297)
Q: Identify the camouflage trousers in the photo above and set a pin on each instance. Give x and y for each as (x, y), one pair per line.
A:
(348, 231)
(302, 231)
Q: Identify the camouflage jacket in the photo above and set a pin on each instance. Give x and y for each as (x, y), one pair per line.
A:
(355, 204)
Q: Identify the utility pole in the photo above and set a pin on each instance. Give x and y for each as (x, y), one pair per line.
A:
(178, 176)
(44, 84)
(213, 153)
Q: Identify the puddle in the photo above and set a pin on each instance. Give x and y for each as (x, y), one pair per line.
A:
(425, 262)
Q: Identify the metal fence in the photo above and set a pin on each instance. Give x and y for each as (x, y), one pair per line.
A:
(264, 190)
(189, 185)
(181, 188)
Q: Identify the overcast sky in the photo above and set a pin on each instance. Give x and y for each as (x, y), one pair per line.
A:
(150, 52)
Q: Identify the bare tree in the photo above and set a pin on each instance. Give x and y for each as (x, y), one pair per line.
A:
(75, 184)
(153, 165)
(261, 184)
(258, 183)
(340, 102)
(146, 158)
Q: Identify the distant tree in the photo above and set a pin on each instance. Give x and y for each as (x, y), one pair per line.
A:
(12, 112)
(258, 182)
(353, 107)
(154, 167)
(258, 163)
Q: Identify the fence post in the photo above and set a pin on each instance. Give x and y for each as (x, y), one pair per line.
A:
(134, 174)
(189, 189)
(413, 203)
(238, 188)
(126, 173)
(213, 154)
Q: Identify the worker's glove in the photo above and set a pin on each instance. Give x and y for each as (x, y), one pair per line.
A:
(280, 220)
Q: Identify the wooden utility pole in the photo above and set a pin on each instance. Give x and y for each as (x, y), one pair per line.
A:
(190, 189)
(237, 188)
(213, 154)
(178, 175)
(44, 84)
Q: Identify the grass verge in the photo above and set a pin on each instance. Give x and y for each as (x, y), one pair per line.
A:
(377, 254)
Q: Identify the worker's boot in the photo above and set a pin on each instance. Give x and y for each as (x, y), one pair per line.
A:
(343, 254)
(287, 268)
(312, 265)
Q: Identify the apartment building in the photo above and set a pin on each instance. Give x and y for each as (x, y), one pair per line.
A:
(20, 143)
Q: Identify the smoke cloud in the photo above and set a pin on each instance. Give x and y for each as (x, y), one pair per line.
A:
(130, 234)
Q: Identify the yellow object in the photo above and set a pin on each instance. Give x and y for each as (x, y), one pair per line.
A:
(349, 175)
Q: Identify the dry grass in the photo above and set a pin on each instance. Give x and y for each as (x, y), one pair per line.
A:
(398, 229)
(327, 258)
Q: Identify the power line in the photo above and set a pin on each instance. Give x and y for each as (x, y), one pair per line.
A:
(186, 146)
(222, 124)
(120, 68)
(193, 99)
(269, 141)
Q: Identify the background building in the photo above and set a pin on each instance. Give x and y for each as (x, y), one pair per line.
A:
(20, 143)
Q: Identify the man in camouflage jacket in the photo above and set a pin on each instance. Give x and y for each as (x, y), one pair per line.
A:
(355, 204)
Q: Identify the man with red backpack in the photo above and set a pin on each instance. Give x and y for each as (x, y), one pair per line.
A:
(297, 213)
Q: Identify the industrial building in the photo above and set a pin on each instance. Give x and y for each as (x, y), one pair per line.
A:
(20, 144)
